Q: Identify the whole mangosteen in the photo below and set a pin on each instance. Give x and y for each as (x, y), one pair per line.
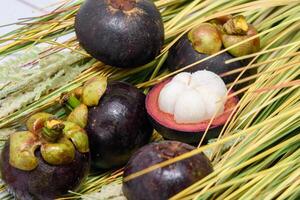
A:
(118, 125)
(47, 161)
(181, 108)
(207, 39)
(121, 33)
(163, 183)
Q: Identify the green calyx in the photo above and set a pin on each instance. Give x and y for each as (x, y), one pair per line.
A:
(93, 90)
(205, 38)
(77, 135)
(79, 115)
(79, 99)
(21, 150)
(237, 30)
(220, 20)
(36, 122)
(58, 141)
(59, 153)
(236, 26)
(89, 94)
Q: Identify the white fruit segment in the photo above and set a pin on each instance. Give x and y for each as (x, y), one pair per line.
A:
(210, 80)
(168, 96)
(183, 77)
(193, 98)
(189, 107)
(213, 102)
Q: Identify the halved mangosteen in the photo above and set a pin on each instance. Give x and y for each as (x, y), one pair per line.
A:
(118, 125)
(207, 39)
(165, 182)
(181, 108)
(47, 161)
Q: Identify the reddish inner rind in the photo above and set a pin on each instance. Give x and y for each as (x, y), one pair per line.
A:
(168, 121)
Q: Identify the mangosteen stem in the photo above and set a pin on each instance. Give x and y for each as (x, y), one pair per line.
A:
(236, 26)
(73, 102)
(69, 100)
(125, 5)
(53, 130)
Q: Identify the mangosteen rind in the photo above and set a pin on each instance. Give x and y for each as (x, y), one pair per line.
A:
(118, 36)
(165, 182)
(118, 126)
(183, 136)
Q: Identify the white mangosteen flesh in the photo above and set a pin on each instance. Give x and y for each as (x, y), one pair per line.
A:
(208, 80)
(193, 97)
(185, 105)
(183, 77)
(169, 94)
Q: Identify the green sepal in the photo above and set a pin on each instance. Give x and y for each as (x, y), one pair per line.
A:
(79, 115)
(21, 150)
(77, 135)
(58, 153)
(73, 101)
(236, 26)
(36, 122)
(245, 48)
(205, 38)
(93, 90)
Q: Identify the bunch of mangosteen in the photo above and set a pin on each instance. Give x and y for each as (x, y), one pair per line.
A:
(111, 122)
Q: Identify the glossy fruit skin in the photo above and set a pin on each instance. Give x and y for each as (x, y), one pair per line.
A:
(45, 182)
(118, 126)
(165, 182)
(118, 37)
(192, 137)
(183, 54)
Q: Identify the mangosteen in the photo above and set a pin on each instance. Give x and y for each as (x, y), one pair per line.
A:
(207, 39)
(121, 33)
(165, 182)
(118, 125)
(182, 107)
(46, 161)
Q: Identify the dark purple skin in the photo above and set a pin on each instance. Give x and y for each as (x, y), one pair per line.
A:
(120, 33)
(186, 137)
(183, 54)
(118, 126)
(163, 183)
(45, 182)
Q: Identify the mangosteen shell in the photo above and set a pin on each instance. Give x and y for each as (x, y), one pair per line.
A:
(165, 182)
(45, 182)
(183, 136)
(182, 54)
(118, 126)
(118, 37)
